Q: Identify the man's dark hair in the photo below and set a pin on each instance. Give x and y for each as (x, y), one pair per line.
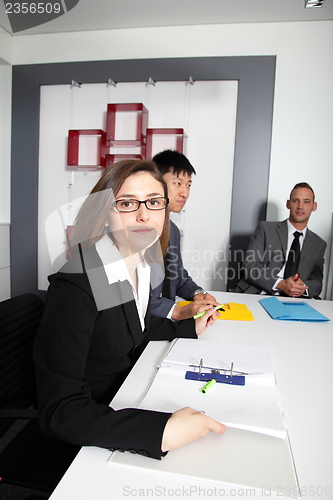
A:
(303, 185)
(171, 160)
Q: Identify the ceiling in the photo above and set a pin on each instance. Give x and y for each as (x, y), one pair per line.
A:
(114, 14)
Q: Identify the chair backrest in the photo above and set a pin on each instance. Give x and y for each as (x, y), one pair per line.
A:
(19, 321)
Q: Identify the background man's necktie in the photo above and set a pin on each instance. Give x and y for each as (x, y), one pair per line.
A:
(293, 257)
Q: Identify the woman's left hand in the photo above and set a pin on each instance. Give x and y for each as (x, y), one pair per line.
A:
(187, 425)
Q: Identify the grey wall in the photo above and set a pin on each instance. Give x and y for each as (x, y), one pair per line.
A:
(252, 147)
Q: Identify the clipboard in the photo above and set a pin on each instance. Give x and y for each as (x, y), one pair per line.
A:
(291, 311)
(231, 311)
(220, 375)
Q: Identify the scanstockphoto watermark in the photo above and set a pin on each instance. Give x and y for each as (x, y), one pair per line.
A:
(24, 15)
(188, 492)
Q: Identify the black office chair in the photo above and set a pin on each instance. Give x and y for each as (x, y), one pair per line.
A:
(23, 462)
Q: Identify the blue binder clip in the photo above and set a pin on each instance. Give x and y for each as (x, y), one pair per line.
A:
(215, 373)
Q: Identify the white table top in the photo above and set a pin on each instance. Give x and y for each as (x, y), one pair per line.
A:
(303, 366)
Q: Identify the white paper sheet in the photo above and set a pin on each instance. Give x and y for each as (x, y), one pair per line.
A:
(246, 358)
(252, 407)
(236, 458)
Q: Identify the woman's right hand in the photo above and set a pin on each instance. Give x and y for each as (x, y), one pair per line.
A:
(187, 425)
(206, 320)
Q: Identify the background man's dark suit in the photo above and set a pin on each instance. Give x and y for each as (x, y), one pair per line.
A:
(177, 281)
(266, 255)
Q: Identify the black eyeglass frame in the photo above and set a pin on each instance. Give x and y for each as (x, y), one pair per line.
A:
(114, 204)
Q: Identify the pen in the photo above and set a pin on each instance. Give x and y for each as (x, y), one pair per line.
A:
(203, 312)
(297, 277)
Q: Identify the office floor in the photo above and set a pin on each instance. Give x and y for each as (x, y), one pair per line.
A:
(8, 491)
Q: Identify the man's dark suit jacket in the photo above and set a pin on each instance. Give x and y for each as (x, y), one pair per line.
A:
(177, 281)
(85, 347)
(267, 254)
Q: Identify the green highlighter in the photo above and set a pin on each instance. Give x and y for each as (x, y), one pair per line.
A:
(220, 307)
(208, 386)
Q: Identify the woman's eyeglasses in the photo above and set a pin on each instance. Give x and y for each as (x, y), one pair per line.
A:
(129, 205)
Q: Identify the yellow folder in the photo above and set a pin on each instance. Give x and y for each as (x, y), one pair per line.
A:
(232, 310)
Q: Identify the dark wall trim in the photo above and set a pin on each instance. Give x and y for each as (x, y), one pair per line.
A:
(256, 77)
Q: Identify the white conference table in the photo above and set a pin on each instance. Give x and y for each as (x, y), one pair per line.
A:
(303, 355)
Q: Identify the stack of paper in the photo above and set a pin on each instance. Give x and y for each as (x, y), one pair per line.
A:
(246, 358)
(238, 457)
(253, 407)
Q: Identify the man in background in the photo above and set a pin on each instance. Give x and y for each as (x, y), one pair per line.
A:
(177, 172)
(286, 258)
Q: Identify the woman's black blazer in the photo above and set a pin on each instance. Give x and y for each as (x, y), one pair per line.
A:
(86, 345)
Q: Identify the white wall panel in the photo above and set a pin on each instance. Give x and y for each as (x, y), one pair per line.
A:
(6, 46)
(138, 43)
(5, 283)
(302, 147)
(5, 138)
(207, 112)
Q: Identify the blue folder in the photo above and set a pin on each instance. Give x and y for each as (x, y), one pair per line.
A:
(291, 311)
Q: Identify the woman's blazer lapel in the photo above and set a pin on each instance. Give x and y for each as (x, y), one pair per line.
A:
(108, 296)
